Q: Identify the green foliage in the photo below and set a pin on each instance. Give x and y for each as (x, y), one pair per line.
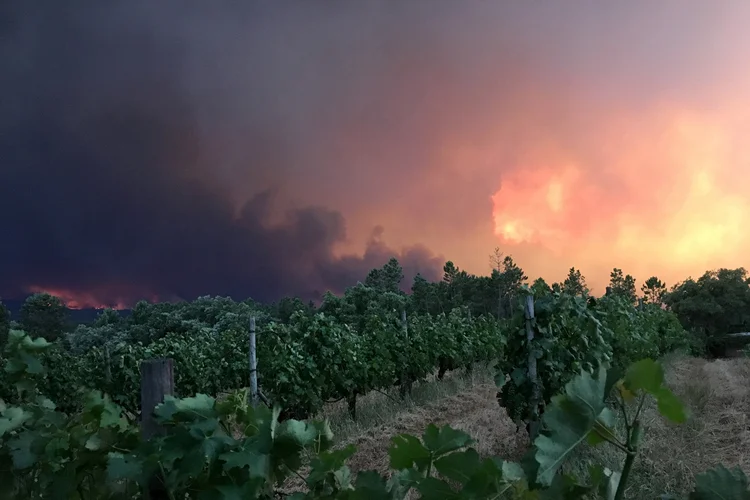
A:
(96, 453)
(480, 295)
(622, 285)
(654, 290)
(44, 315)
(355, 344)
(721, 483)
(228, 449)
(568, 421)
(286, 307)
(716, 304)
(540, 288)
(386, 279)
(108, 317)
(575, 283)
(350, 345)
(572, 334)
(85, 337)
(4, 324)
(648, 332)
(569, 336)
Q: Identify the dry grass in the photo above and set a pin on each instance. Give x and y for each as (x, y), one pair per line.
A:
(463, 401)
(382, 408)
(717, 396)
(475, 412)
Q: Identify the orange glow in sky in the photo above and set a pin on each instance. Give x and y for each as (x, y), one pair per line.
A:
(592, 135)
(613, 138)
(82, 300)
(674, 212)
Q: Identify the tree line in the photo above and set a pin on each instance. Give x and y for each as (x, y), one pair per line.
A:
(715, 304)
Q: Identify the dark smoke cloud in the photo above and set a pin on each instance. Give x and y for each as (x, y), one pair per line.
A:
(118, 155)
(183, 147)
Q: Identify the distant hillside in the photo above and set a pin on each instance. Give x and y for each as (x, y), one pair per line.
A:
(76, 316)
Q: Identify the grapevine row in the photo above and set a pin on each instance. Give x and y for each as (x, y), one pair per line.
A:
(302, 364)
(229, 449)
(353, 347)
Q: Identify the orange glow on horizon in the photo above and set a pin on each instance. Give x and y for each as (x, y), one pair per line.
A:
(84, 300)
(668, 208)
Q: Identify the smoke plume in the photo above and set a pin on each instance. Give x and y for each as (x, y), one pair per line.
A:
(171, 149)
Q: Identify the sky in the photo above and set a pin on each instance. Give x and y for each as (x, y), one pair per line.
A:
(167, 150)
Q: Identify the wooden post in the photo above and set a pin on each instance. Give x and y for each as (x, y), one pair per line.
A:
(157, 381)
(533, 376)
(510, 305)
(405, 382)
(253, 366)
(499, 303)
(107, 367)
(470, 365)
(351, 404)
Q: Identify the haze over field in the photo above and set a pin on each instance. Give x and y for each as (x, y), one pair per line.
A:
(170, 149)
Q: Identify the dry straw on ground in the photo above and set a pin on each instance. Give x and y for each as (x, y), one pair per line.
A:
(717, 396)
(476, 412)
(463, 401)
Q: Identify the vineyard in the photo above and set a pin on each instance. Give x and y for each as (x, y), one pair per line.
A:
(229, 449)
(71, 407)
(326, 356)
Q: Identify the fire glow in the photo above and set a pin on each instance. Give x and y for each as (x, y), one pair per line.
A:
(84, 300)
(670, 209)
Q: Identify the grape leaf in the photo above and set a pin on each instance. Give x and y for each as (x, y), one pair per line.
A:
(303, 433)
(669, 406)
(94, 443)
(407, 451)
(258, 464)
(440, 441)
(564, 487)
(121, 466)
(371, 485)
(21, 451)
(459, 466)
(200, 406)
(492, 478)
(603, 428)
(568, 420)
(12, 419)
(436, 489)
(721, 483)
(648, 375)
